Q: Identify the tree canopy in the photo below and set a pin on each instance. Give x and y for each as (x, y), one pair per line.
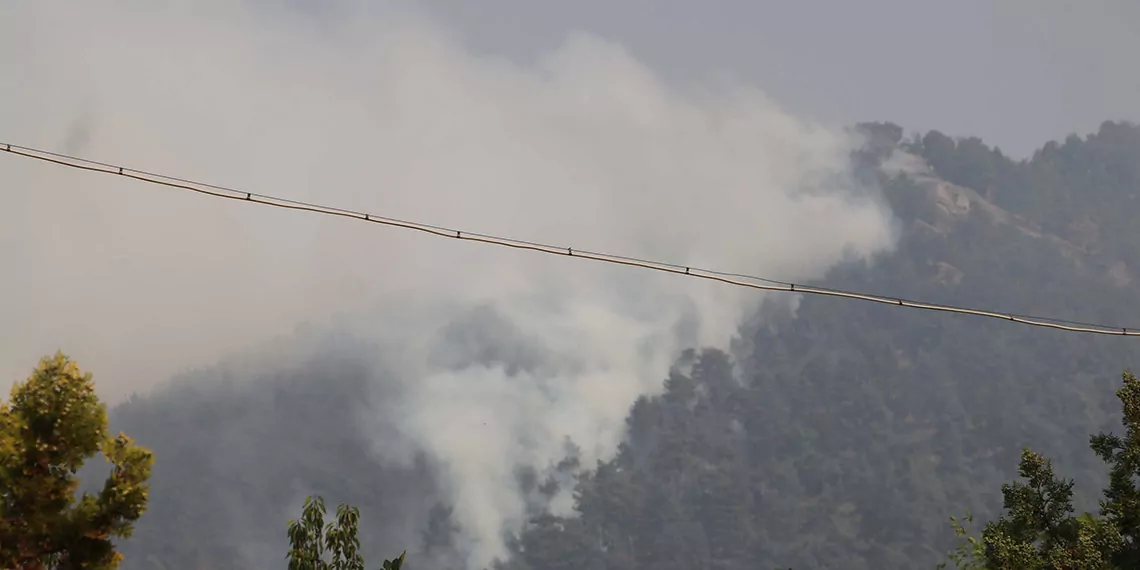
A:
(336, 546)
(1038, 530)
(52, 423)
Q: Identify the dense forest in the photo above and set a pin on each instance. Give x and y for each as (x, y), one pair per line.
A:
(843, 435)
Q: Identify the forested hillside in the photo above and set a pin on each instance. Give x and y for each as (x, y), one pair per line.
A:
(841, 436)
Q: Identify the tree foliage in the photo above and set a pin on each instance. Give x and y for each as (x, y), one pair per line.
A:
(52, 423)
(335, 546)
(1039, 531)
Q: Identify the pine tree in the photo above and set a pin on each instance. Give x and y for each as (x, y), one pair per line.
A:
(51, 425)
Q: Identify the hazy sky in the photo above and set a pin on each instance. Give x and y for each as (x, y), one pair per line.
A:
(1015, 72)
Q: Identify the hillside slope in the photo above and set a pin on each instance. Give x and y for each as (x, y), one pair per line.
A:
(842, 436)
(859, 429)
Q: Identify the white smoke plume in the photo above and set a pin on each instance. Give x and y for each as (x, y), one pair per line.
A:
(379, 110)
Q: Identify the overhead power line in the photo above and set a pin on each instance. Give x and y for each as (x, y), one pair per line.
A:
(736, 279)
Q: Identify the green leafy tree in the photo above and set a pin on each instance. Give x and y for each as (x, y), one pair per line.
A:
(51, 425)
(1121, 504)
(313, 545)
(970, 553)
(1039, 531)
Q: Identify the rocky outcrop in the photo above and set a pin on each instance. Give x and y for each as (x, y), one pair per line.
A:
(955, 204)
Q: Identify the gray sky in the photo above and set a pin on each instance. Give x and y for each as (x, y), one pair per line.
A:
(1015, 72)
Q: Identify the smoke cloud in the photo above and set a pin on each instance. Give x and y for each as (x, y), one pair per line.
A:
(503, 355)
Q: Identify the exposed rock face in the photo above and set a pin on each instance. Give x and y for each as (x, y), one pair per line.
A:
(955, 204)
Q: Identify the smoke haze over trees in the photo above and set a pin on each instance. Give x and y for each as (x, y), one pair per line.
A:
(495, 359)
(842, 433)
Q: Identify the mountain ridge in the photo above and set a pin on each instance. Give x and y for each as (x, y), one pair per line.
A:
(837, 434)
